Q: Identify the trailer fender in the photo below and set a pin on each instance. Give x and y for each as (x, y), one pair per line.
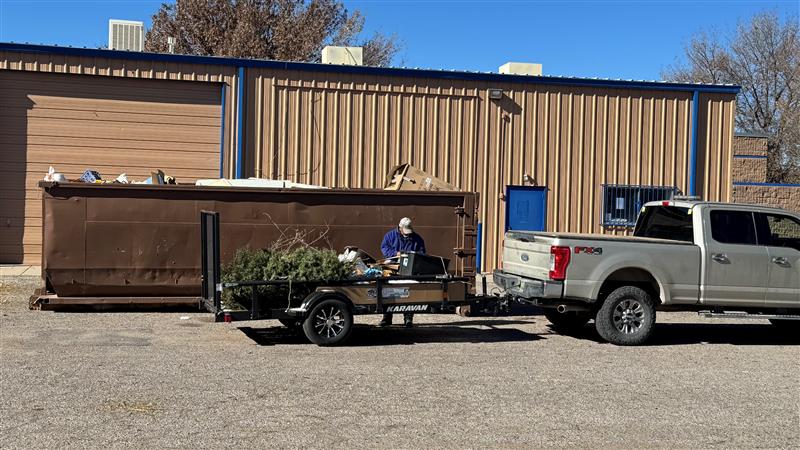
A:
(318, 296)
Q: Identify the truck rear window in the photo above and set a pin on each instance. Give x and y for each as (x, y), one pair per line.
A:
(665, 222)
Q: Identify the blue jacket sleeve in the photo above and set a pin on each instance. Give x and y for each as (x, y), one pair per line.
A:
(387, 247)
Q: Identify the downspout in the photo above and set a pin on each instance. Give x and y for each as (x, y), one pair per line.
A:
(240, 122)
(693, 156)
(222, 136)
(479, 242)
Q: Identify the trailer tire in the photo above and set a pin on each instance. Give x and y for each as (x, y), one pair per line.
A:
(627, 317)
(329, 322)
(569, 321)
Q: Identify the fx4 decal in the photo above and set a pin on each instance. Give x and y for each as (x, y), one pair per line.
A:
(589, 250)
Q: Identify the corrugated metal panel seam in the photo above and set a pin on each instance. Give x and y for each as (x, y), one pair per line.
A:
(366, 70)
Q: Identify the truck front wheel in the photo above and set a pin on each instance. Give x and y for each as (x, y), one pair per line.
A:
(567, 321)
(627, 316)
(329, 322)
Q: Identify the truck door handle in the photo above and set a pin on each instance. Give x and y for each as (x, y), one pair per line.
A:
(781, 261)
(720, 258)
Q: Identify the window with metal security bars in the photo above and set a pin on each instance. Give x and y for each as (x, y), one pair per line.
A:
(622, 203)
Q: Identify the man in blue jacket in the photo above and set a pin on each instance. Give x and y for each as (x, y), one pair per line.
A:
(396, 241)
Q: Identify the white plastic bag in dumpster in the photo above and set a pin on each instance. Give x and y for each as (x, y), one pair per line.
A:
(52, 175)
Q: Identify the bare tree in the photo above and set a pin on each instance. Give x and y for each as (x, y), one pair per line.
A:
(288, 30)
(763, 57)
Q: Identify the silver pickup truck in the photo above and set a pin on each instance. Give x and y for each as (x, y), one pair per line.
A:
(721, 259)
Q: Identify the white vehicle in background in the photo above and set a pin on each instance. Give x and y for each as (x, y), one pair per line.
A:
(719, 259)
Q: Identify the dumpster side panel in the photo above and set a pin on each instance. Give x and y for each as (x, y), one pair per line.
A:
(118, 240)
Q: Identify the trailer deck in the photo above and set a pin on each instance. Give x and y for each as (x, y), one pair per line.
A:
(326, 314)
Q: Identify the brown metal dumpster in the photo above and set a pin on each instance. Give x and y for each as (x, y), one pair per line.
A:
(143, 241)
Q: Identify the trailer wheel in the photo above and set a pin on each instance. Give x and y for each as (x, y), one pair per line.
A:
(567, 321)
(329, 322)
(627, 317)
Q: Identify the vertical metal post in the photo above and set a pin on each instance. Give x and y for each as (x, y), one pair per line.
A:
(222, 136)
(254, 312)
(240, 122)
(478, 245)
(693, 156)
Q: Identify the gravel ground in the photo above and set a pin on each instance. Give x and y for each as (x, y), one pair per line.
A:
(154, 380)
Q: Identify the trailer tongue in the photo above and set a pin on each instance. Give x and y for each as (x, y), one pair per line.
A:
(326, 314)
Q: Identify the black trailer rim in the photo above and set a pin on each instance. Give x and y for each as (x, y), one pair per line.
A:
(329, 322)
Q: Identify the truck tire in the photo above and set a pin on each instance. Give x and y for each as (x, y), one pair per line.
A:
(567, 321)
(627, 317)
(329, 322)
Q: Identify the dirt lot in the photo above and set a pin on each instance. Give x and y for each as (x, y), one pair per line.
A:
(177, 380)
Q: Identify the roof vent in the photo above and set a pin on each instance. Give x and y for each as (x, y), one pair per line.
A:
(125, 35)
(517, 68)
(350, 56)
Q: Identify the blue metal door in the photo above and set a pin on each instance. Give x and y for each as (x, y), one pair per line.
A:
(526, 208)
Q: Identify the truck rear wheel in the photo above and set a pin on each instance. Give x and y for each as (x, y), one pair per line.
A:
(567, 321)
(329, 323)
(627, 317)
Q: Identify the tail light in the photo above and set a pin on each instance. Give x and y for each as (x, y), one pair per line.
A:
(559, 260)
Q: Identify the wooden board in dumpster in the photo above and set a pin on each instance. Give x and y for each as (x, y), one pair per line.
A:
(143, 240)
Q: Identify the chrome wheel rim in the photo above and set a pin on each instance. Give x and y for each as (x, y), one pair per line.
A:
(628, 316)
(329, 322)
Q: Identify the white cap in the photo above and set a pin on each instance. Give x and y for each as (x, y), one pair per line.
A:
(405, 225)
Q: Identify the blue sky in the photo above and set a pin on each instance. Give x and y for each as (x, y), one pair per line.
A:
(622, 39)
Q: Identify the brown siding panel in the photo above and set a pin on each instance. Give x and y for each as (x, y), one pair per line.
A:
(86, 122)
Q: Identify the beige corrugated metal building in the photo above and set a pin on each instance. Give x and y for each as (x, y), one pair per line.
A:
(346, 126)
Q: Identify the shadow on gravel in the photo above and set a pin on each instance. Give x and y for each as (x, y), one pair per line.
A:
(367, 336)
(698, 333)
(736, 334)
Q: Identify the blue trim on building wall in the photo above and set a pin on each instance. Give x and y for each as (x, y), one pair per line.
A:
(365, 70)
(693, 155)
(222, 136)
(753, 183)
(240, 125)
(478, 245)
(750, 156)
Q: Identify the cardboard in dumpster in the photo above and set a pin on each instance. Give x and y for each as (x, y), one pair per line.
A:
(406, 177)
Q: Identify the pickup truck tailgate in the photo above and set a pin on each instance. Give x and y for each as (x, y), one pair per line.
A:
(527, 255)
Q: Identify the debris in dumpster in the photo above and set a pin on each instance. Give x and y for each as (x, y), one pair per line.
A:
(406, 177)
(123, 178)
(52, 175)
(91, 176)
(256, 182)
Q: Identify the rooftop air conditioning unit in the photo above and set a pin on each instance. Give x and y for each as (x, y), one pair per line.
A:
(517, 68)
(351, 56)
(125, 35)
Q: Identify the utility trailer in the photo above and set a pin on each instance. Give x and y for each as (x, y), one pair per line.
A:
(326, 314)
